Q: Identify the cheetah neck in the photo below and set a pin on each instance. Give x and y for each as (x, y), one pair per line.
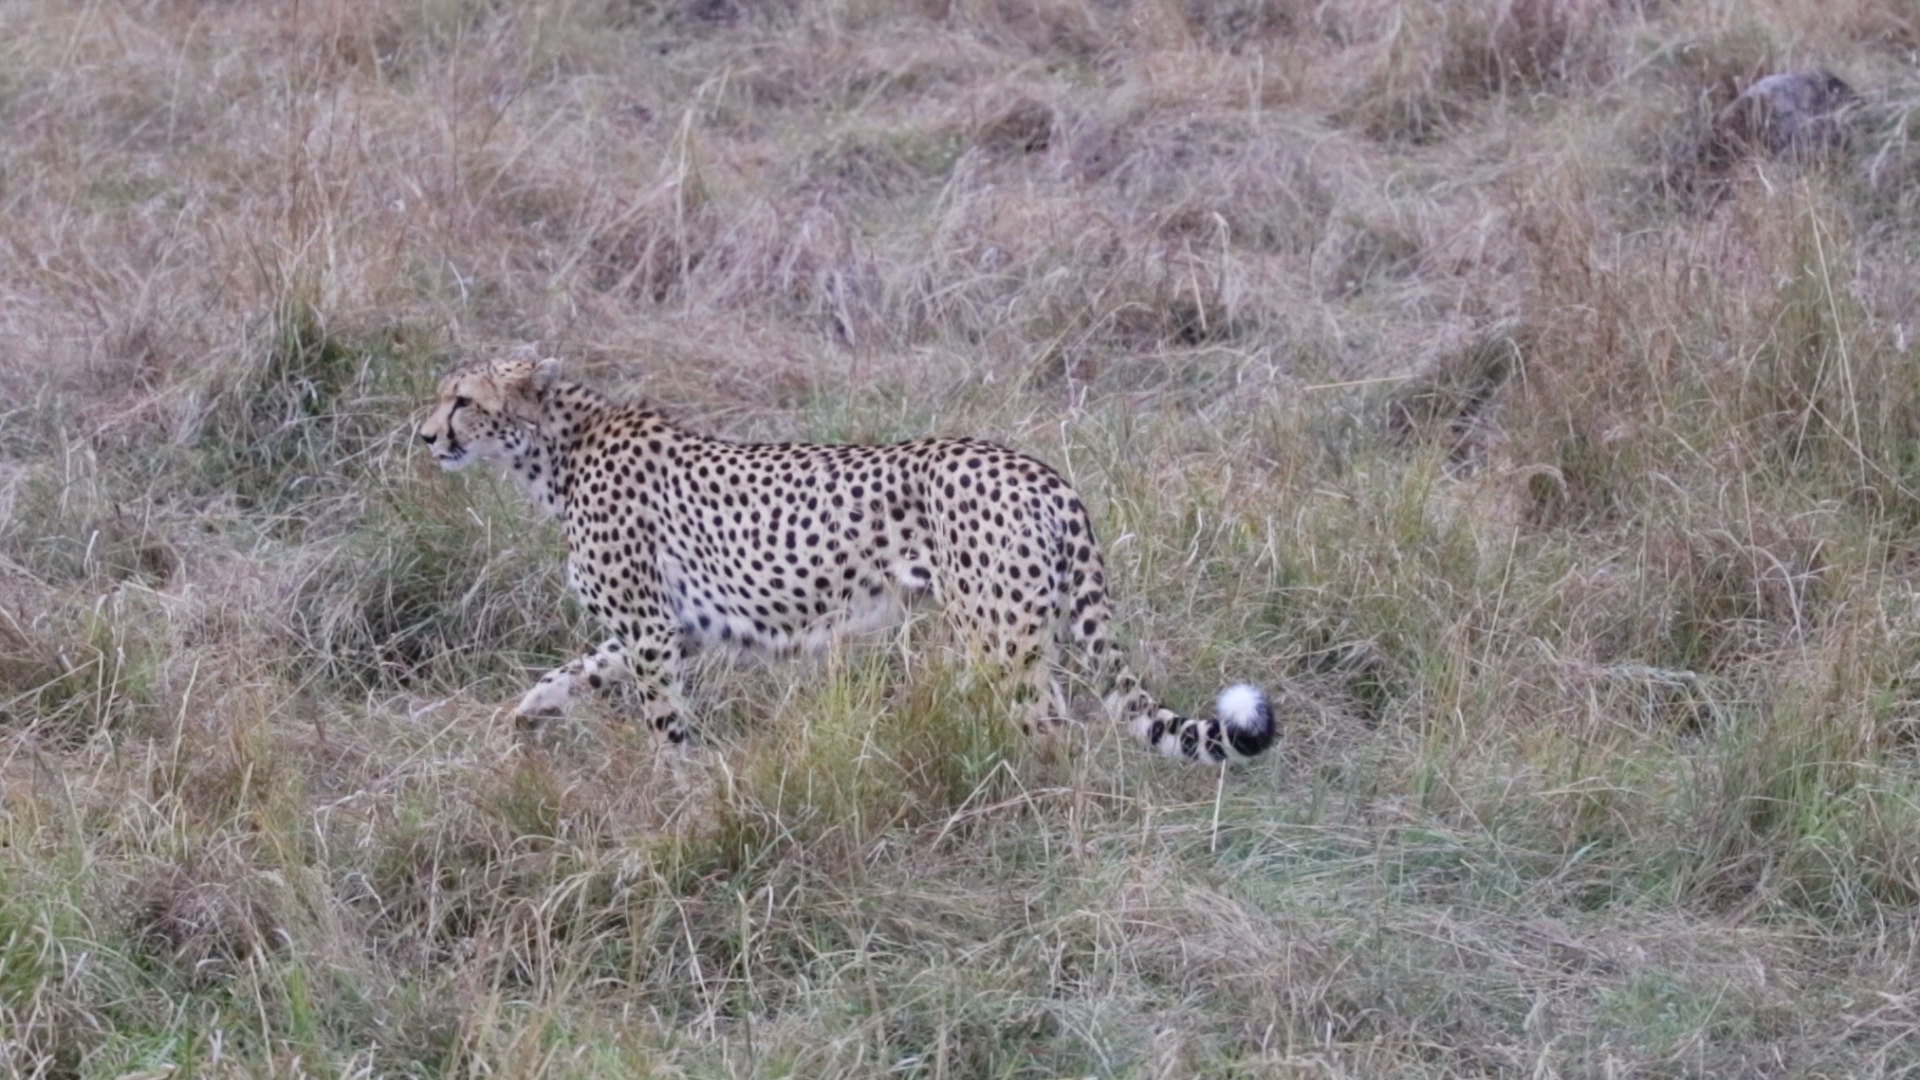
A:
(543, 462)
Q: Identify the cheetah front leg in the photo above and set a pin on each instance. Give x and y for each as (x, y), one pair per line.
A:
(653, 665)
(656, 669)
(603, 667)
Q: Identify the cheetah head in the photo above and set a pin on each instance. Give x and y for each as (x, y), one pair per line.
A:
(484, 410)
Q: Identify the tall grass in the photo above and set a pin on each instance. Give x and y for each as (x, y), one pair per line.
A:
(1430, 364)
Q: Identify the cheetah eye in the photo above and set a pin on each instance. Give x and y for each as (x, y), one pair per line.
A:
(462, 401)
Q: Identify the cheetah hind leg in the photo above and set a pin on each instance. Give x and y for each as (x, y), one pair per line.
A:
(1040, 703)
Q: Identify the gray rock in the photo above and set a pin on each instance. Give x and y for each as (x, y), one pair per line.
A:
(1799, 115)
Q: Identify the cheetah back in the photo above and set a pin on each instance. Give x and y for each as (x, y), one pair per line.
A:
(784, 546)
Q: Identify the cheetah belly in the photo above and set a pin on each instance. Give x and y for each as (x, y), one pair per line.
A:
(711, 611)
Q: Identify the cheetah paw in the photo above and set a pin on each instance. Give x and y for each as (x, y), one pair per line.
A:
(544, 700)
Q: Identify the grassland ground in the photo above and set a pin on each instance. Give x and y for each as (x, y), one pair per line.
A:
(1428, 362)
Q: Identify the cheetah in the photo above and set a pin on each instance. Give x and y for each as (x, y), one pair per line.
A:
(677, 541)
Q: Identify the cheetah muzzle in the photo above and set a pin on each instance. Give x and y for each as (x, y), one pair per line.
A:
(676, 541)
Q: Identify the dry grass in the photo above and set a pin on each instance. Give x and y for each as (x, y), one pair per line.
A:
(1425, 361)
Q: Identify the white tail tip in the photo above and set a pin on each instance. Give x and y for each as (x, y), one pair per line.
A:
(1242, 707)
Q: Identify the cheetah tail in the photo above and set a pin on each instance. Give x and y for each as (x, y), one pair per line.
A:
(1241, 728)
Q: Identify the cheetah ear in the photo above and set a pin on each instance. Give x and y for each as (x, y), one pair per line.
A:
(545, 372)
